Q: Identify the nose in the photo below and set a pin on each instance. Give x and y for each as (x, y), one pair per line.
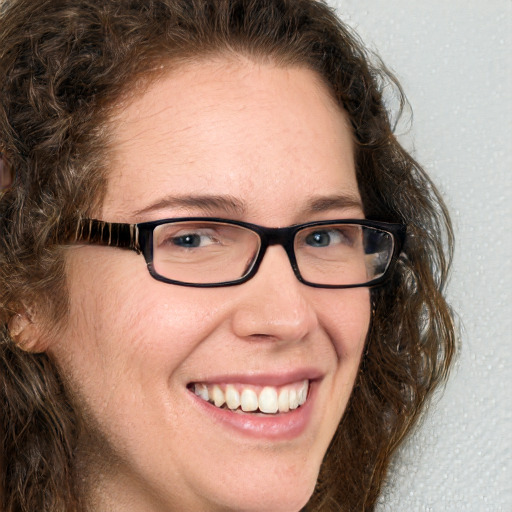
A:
(274, 304)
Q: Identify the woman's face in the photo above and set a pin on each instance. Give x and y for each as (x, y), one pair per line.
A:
(236, 140)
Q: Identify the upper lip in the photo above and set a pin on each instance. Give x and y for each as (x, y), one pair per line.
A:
(263, 379)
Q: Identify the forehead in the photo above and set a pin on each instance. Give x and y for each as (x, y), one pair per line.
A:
(265, 135)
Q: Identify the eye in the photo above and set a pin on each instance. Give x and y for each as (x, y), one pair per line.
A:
(186, 237)
(326, 238)
(191, 240)
(318, 239)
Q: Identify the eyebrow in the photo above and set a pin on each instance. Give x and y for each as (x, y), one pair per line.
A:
(333, 202)
(211, 204)
(207, 203)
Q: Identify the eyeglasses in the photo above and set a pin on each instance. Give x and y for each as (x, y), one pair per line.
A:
(210, 252)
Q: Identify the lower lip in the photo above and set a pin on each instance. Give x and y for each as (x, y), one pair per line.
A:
(282, 426)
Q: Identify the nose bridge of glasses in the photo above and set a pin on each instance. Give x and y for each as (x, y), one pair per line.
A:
(279, 236)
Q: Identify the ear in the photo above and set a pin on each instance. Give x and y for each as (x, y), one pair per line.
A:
(27, 333)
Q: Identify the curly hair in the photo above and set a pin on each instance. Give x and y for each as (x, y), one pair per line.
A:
(65, 67)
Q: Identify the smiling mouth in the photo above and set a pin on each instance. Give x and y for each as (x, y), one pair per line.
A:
(253, 399)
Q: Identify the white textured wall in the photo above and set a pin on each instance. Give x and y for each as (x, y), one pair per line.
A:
(453, 58)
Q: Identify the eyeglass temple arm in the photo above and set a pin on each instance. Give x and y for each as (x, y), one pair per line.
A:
(99, 232)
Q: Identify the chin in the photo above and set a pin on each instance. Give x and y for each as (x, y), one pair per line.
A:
(280, 496)
(282, 484)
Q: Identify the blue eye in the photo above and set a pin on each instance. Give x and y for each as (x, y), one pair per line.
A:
(318, 239)
(326, 238)
(188, 241)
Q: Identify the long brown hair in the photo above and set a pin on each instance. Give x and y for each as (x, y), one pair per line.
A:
(64, 69)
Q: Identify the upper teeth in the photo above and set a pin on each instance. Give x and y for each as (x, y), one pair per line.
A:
(268, 399)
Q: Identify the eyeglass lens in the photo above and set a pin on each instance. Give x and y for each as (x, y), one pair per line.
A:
(203, 252)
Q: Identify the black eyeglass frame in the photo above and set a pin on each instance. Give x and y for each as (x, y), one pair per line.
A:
(139, 238)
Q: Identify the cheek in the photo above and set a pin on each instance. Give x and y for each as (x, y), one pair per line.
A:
(124, 329)
(346, 319)
(347, 322)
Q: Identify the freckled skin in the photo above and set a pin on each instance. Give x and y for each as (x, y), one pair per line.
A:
(272, 138)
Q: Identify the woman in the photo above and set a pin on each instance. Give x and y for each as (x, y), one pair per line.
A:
(221, 275)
